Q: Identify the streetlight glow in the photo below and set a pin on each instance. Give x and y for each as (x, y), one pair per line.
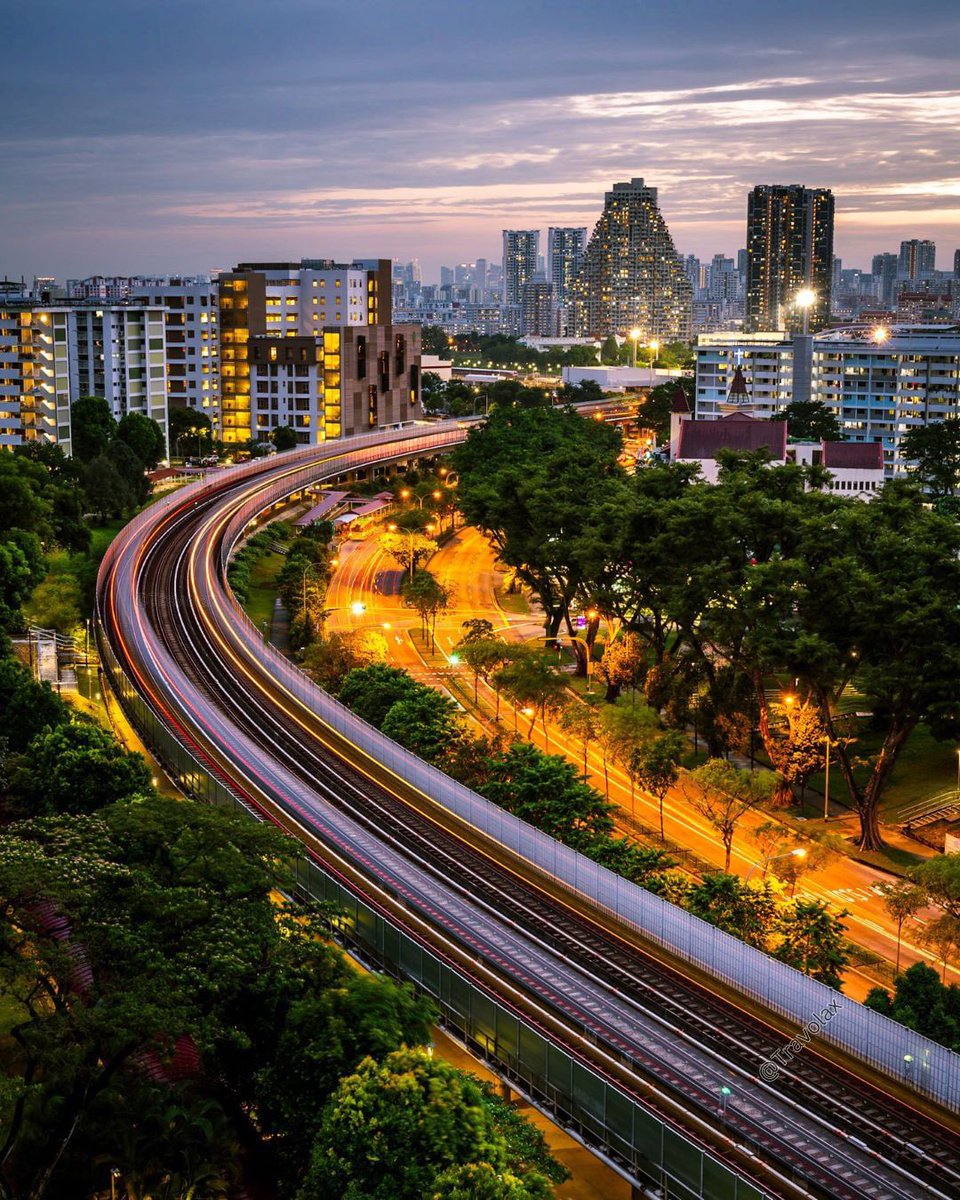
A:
(805, 298)
(358, 608)
(880, 334)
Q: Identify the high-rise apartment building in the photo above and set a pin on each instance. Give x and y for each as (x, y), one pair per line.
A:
(322, 329)
(723, 281)
(51, 355)
(38, 352)
(917, 259)
(956, 264)
(565, 247)
(789, 248)
(538, 309)
(884, 269)
(632, 276)
(192, 317)
(521, 248)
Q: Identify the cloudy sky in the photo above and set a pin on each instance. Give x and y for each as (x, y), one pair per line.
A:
(180, 135)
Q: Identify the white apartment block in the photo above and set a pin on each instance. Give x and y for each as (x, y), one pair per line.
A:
(193, 341)
(38, 349)
(879, 382)
(766, 360)
(882, 383)
(51, 355)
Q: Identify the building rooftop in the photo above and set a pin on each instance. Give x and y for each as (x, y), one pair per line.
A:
(855, 456)
(704, 439)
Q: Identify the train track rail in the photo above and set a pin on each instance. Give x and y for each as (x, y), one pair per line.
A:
(820, 1130)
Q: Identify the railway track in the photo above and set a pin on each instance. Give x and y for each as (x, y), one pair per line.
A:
(820, 1130)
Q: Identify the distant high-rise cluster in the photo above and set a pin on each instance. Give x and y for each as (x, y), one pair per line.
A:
(632, 276)
(789, 250)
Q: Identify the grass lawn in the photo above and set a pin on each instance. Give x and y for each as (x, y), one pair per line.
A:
(263, 589)
(925, 769)
(514, 602)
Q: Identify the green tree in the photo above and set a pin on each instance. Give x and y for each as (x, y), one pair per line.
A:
(934, 451)
(130, 468)
(940, 880)
(922, 1002)
(901, 900)
(479, 629)
(75, 768)
(26, 707)
(284, 437)
(545, 790)
(55, 603)
(746, 912)
(331, 658)
(408, 549)
(581, 723)
(372, 691)
(106, 490)
(811, 939)
(622, 664)
(722, 794)
(656, 766)
(424, 592)
(435, 341)
(414, 1112)
(509, 468)
(426, 722)
(531, 679)
(943, 937)
(107, 956)
(654, 413)
(189, 430)
(92, 427)
(21, 569)
(323, 1034)
(482, 1181)
(144, 437)
(810, 421)
(484, 657)
(624, 730)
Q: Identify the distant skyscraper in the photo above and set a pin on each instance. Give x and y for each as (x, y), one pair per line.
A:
(446, 276)
(789, 247)
(565, 247)
(723, 282)
(956, 264)
(694, 270)
(917, 258)
(480, 273)
(632, 276)
(884, 271)
(538, 308)
(521, 248)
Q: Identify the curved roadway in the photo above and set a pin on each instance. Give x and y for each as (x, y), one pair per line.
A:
(575, 975)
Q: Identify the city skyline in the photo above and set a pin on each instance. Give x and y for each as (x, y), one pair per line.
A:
(170, 140)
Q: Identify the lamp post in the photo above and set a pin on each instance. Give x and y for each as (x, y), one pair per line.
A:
(635, 335)
(764, 863)
(805, 300)
(655, 347)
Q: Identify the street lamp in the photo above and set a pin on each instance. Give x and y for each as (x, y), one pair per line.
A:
(805, 299)
(880, 334)
(797, 853)
(635, 335)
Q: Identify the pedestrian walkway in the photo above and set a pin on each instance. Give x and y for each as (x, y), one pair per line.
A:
(280, 627)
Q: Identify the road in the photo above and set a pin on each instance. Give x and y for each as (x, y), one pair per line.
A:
(466, 565)
(584, 980)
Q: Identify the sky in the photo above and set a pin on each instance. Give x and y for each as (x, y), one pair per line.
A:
(175, 137)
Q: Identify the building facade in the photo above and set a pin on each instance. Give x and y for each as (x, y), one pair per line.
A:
(521, 249)
(917, 259)
(305, 299)
(565, 247)
(789, 248)
(193, 342)
(632, 276)
(53, 355)
(343, 381)
(878, 382)
(538, 309)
